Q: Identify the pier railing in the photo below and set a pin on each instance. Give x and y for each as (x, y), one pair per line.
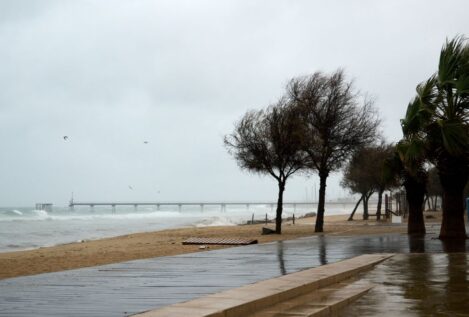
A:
(222, 205)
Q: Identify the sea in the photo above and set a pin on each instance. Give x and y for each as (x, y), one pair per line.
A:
(24, 228)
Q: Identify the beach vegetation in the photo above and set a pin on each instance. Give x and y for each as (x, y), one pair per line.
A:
(269, 142)
(337, 121)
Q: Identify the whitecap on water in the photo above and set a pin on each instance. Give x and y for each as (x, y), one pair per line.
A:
(215, 221)
(13, 212)
(42, 214)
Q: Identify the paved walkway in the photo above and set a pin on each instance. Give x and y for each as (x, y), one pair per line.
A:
(415, 285)
(130, 287)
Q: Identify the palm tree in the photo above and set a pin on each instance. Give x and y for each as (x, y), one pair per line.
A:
(414, 178)
(441, 117)
(409, 164)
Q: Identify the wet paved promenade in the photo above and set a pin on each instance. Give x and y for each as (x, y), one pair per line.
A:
(416, 285)
(129, 287)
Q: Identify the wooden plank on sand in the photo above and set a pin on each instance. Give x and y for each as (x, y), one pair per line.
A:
(219, 241)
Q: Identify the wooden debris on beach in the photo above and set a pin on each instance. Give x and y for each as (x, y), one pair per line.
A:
(220, 241)
(267, 231)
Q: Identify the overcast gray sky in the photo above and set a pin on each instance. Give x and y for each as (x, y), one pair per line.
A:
(178, 74)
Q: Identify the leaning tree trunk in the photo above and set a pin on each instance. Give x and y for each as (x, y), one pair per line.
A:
(415, 194)
(322, 199)
(453, 177)
(365, 207)
(278, 217)
(380, 202)
(427, 202)
(350, 218)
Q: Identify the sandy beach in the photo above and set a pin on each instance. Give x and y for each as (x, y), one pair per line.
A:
(168, 242)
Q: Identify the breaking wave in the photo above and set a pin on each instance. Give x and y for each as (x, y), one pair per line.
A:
(217, 221)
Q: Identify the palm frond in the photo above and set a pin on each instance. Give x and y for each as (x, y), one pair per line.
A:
(454, 137)
(451, 56)
(412, 153)
(411, 123)
(427, 93)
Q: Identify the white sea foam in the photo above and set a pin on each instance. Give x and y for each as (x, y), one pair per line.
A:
(25, 228)
(37, 215)
(15, 213)
(216, 221)
(41, 214)
(117, 216)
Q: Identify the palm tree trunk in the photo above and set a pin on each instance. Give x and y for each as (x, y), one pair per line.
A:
(278, 218)
(415, 194)
(322, 199)
(453, 177)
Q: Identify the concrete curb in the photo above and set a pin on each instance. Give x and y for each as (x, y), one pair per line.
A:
(247, 299)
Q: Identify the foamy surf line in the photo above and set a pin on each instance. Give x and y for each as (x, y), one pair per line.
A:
(26, 228)
(44, 230)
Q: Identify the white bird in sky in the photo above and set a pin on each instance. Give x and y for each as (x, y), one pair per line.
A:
(130, 187)
(65, 137)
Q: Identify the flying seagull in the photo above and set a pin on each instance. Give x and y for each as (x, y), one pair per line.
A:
(65, 137)
(146, 142)
(130, 187)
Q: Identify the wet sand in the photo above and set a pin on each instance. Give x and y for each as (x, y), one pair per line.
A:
(169, 242)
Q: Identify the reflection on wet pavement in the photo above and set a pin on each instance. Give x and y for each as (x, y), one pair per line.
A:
(417, 285)
(124, 288)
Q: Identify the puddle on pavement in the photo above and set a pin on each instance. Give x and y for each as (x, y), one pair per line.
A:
(419, 284)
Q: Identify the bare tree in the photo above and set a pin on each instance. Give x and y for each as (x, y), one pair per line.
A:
(335, 124)
(360, 178)
(366, 173)
(269, 142)
(383, 180)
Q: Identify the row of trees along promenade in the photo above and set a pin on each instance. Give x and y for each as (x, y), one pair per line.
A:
(323, 124)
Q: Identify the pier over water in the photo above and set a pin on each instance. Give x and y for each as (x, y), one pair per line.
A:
(201, 204)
